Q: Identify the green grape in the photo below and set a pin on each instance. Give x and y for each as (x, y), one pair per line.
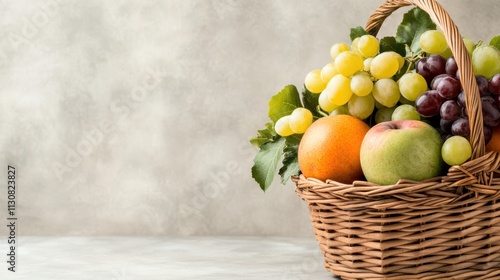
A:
(361, 84)
(469, 45)
(433, 42)
(354, 46)
(384, 114)
(403, 100)
(384, 65)
(378, 105)
(456, 150)
(368, 45)
(328, 71)
(347, 63)
(325, 104)
(282, 126)
(339, 90)
(338, 48)
(486, 61)
(412, 85)
(341, 110)
(366, 64)
(447, 53)
(313, 82)
(405, 112)
(361, 107)
(300, 120)
(386, 91)
(401, 60)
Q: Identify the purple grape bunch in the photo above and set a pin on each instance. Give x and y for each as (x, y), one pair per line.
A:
(444, 102)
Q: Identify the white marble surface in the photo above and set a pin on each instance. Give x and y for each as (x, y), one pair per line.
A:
(163, 258)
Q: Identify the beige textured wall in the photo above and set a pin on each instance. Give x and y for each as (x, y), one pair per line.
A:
(133, 117)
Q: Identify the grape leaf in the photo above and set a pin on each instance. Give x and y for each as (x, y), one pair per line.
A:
(293, 139)
(495, 41)
(357, 32)
(265, 135)
(310, 101)
(266, 162)
(415, 22)
(290, 163)
(283, 103)
(389, 44)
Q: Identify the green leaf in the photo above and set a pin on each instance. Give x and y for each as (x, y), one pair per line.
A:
(389, 44)
(310, 101)
(266, 162)
(290, 163)
(293, 139)
(495, 41)
(415, 22)
(283, 103)
(265, 135)
(357, 32)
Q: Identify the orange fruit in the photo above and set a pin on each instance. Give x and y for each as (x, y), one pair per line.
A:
(330, 149)
(494, 144)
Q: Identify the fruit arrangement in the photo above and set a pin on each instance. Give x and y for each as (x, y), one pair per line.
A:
(381, 110)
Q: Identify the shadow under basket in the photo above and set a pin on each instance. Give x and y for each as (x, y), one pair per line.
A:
(445, 227)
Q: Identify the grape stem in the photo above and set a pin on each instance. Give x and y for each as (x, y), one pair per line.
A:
(412, 58)
(318, 109)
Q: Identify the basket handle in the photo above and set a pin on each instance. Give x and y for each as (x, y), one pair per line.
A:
(454, 39)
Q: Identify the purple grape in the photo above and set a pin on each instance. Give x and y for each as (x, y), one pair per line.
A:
(429, 103)
(451, 66)
(461, 99)
(448, 87)
(487, 132)
(450, 110)
(461, 127)
(445, 125)
(436, 64)
(445, 137)
(497, 100)
(458, 75)
(465, 114)
(482, 84)
(491, 115)
(494, 84)
(437, 79)
(422, 69)
(488, 99)
(430, 67)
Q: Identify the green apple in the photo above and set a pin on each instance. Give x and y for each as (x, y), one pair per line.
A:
(403, 149)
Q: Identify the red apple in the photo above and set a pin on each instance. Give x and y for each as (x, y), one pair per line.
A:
(404, 149)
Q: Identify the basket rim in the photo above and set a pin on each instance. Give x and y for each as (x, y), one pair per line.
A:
(461, 180)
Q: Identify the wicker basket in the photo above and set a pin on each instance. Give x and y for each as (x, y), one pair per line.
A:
(443, 228)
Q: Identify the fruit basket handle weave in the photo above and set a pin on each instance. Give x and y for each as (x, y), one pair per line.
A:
(454, 39)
